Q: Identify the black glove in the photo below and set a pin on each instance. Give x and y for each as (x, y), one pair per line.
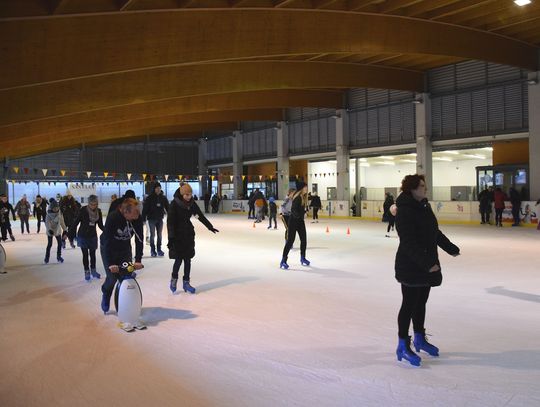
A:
(213, 230)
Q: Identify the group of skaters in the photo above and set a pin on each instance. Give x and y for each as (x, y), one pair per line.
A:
(496, 197)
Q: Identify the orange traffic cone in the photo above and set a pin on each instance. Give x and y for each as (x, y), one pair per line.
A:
(327, 230)
(348, 231)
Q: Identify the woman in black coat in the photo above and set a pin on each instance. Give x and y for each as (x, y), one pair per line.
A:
(88, 217)
(182, 234)
(296, 224)
(417, 264)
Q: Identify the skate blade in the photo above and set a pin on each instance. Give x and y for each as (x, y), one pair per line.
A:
(126, 327)
(140, 327)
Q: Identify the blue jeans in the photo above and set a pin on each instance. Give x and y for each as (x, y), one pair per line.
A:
(155, 225)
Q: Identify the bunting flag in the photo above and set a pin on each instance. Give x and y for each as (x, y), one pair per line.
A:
(179, 177)
(213, 177)
(232, 177)
(35, 171)
(53, 172)
(63, 172)
(166, 177)
(144, 177)
(114, 174)
(129, 175)
(105, 174)
(16, 169)
(44, 170)
(25, 170)
(200, 178)
(296, 176)
(260, 177)
(88, 174)
(243, 177)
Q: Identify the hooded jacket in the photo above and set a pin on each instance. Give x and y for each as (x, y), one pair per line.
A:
(180, 229)
(155, 207)
(116, 238)
(419, 236)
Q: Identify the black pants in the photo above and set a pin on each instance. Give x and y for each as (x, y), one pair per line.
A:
(251, 213)
(49, 245)
(24, 221)
(285, 219)
(391, 223)
(108, 285)
(484, 214)
(272, 216)
(39, 220)
(187, 268)
(89, 253)
(413, 306)
(5, 229)
(296, 225)
(315, 213)
(65, 236)
(498, 216)
(156, 227)
(515, 213)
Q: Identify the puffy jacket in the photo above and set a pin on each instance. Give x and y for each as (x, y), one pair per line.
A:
(419, 236)
(155, 207)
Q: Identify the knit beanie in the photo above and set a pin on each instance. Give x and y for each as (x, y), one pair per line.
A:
(185, 189)
(300, 185)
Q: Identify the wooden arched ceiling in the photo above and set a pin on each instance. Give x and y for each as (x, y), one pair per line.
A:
(77, 71)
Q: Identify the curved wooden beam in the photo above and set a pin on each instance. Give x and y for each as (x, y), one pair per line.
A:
(37, 50)
(144, 126)
(97, 92)
(273, 99)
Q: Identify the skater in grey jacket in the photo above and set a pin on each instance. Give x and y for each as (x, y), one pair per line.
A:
(55, 225)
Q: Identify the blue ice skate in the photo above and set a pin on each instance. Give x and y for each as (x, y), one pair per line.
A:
(188, 288)
(420, 343)
(172, 286)
(404, 351)
(105, 303)
(304, 261)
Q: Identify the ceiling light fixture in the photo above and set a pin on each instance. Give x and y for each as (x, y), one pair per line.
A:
(442, 159)
(522, 2)
(451, 152)
(385, 162)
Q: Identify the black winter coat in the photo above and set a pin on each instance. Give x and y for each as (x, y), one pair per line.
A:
(419, 236)
(180, 229)
(87, 230)
(155, 207)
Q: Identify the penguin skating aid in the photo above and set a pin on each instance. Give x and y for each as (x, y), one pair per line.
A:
(128, 299)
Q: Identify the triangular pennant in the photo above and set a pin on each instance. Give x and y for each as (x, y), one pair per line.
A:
(114, 174)
(88, 174)
(16, 169)
(144, 177)
(53, 172)
(260, 177)
(200, 178)
(129, 175)
(180, 177)
(213, 177)
(44, 170)
(105, 174)
(166, 177)
(25, 170)
(231, 177)
(243, 177)
(63, 172)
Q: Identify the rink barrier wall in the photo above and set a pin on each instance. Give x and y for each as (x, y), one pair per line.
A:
(447, 212)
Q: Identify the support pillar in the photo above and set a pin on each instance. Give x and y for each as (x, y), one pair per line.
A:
(237, 148)
(534, 136)
(282, 159)
(342, 156)
(359, 197)
(202, 167)
(3, 176)
(424, 152)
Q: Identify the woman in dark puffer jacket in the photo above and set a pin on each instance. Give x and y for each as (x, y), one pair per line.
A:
(417, 264)
(182, 234)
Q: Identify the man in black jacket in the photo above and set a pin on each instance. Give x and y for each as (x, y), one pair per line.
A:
(120, 226)
(154, 208)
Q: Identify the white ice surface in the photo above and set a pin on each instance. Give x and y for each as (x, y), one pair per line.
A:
(255, 335)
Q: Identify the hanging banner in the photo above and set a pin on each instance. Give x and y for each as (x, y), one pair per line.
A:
(44, 170)
(166, 177)
(16, 169)
(62, 172)
(129, 175)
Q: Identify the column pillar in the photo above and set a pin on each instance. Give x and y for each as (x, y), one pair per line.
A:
(424, 156)
(202, 167)
(357, 170)
(534, 136)
(237, 147)
(282, 159)
(342, 156)
(3, 176)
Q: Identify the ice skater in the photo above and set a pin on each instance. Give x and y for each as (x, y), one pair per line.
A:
(121, 225)
(154, 208)
(23, 210)
(316, 205)
(182, 234)
(387, 214)
(5, 224)
(56, 227)
(273, 213)
(70, 210)
(417, 265)
(297, 224)
(89, 217)
(40, 211)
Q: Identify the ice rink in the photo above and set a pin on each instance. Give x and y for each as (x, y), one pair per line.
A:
(255, 335)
